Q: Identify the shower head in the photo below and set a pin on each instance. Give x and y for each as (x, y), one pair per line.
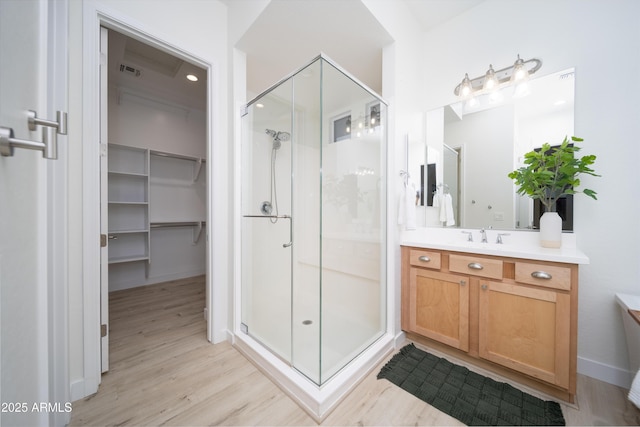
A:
(283, 136)
(278, 137)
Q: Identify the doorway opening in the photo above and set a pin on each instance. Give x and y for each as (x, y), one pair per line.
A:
(154, 128)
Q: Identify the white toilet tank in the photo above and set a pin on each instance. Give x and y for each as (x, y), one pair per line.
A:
(631, 328)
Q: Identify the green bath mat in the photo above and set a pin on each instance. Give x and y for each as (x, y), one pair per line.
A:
(469, 397)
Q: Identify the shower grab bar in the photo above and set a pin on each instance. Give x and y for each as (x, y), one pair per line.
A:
(290, 242)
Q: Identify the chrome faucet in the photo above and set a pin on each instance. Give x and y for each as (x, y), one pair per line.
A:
(483, 234)
(499, 238)
(470, 236)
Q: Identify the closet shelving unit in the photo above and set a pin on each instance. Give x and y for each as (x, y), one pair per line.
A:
(150, 190)
(178, 162)
(128, 198)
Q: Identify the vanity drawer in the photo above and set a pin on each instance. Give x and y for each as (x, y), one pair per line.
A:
(476, 266)
(549, 276)
(426, 259)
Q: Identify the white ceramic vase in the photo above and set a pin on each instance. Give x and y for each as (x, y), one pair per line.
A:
(550, 230)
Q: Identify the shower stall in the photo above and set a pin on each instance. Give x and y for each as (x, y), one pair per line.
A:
(313, 291)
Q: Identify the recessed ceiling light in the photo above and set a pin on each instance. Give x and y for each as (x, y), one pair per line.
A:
(192, 77)
(258, 105)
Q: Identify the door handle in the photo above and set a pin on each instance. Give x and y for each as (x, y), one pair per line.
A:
(50, 130)
(8, 142)
(60, 125)
(286, 245)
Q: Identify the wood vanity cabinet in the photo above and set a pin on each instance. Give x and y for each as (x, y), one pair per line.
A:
(517, 317)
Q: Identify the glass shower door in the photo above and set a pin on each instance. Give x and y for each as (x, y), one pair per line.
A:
(266, 221)
(313, 256)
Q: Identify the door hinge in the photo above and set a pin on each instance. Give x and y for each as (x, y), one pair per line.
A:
(103, 331)
(103, 240)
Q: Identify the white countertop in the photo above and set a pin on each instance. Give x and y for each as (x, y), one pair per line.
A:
(518, 244)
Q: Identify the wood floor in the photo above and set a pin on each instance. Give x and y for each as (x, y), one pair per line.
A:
(163, 371)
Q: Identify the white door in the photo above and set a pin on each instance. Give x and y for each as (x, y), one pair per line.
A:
(104, 202)
(29, 345)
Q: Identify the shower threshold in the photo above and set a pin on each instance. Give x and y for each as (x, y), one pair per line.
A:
(317, 401)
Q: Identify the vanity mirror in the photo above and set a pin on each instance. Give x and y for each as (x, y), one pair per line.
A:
(472, 146)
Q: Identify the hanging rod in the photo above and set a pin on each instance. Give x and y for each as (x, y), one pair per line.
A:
(198, 160)
(197, 231)
(177, 224)
(176, 156)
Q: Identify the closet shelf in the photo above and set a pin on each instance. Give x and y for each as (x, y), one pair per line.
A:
(177, 224)
(120, 202)
(176, 156)
(133, 258)
(131, 231)
(129, 174)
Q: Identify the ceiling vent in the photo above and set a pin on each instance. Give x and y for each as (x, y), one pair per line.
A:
(128, 69)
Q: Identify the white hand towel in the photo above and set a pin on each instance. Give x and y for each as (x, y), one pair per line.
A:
(634, 391)
(448, 208)
(407, 206)
(410, 205)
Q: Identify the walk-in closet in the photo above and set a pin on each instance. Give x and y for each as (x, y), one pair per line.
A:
(156, 185)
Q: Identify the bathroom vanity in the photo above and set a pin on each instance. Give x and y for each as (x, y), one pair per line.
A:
(509, 308)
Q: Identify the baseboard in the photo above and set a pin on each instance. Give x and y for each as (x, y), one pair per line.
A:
(78, 390)
(603, 372)
(399, 339)
(177, 276)
(156, 279)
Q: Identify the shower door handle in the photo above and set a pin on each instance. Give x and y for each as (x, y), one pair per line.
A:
(286, 245)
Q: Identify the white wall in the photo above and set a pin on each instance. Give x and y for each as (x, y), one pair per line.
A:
(601, 39)
(401, 74)
(172, 24)
(136, 120)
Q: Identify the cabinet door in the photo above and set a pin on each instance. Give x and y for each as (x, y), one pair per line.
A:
(439, 307)
(526, 329)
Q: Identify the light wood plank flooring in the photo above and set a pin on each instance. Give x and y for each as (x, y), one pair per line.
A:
(164, 372)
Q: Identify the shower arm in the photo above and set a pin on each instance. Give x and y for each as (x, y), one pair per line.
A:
(284, 245)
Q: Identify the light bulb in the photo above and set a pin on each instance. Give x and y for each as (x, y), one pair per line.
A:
(490, 80)
(520, 72)
(465, 87)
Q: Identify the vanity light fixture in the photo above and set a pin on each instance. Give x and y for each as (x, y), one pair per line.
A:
(518, 72)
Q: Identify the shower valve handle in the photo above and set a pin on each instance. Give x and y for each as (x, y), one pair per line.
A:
(286, 245)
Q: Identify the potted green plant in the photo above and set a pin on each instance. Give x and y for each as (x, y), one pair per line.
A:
(550, 173)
